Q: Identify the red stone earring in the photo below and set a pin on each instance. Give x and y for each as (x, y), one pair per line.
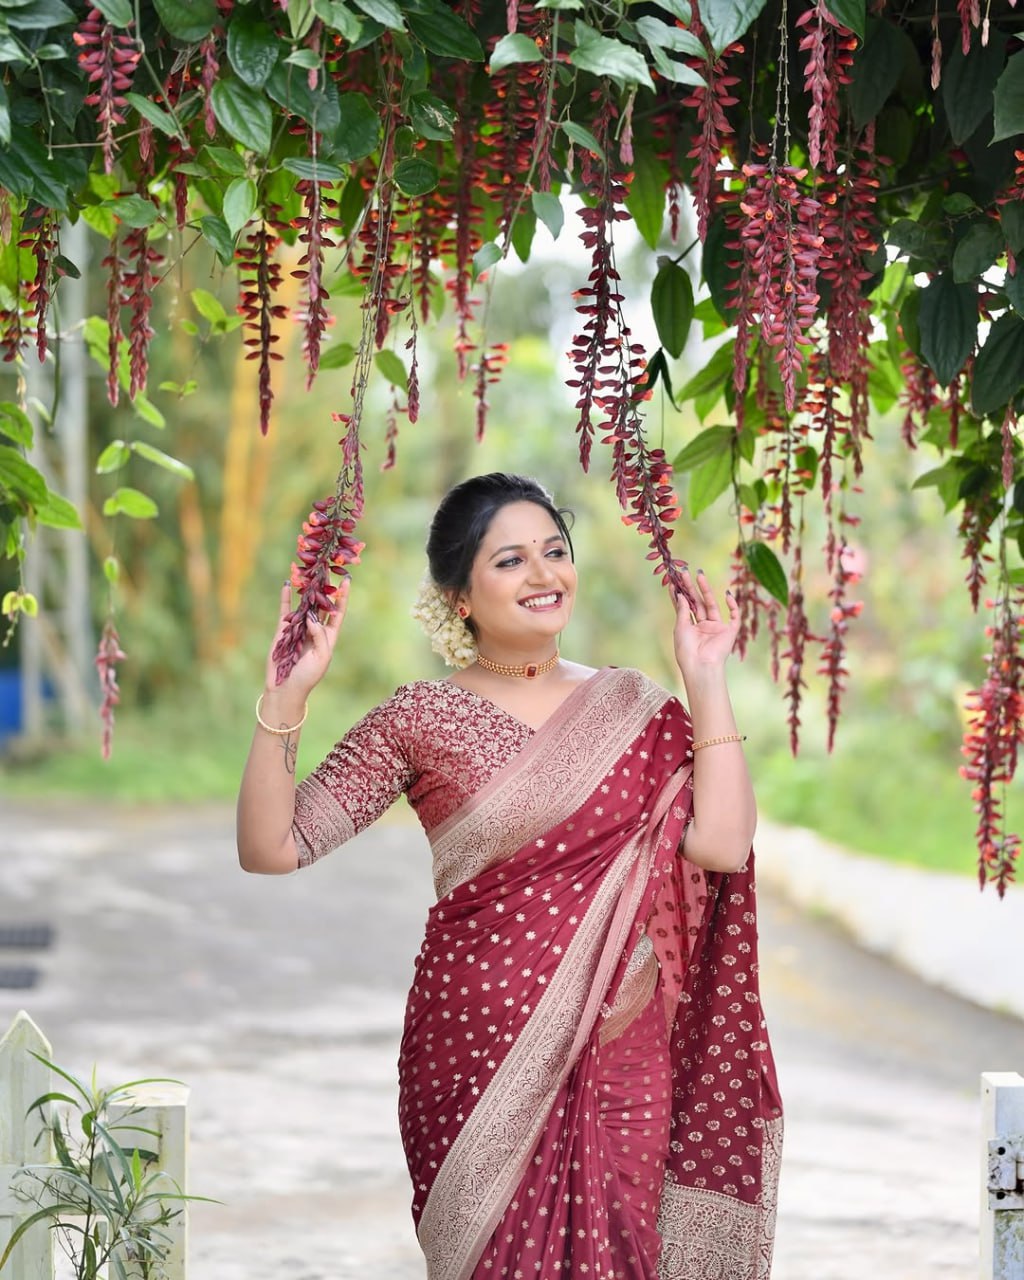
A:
(463, 612)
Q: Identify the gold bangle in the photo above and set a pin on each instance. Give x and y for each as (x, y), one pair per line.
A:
(280, 733)
(714, 742)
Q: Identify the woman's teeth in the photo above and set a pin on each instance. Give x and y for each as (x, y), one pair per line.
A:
(539, 602)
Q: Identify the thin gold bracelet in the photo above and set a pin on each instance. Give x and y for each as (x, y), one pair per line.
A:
(280, 733)
(714, 742)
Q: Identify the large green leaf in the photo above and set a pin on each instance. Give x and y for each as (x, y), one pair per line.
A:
(188, 20)
(157, 116)
(715, 374)
(15, 424)
(646, 197)
(314, 170)
(676, 72)
(40, 15)
(164, 460)
(709, 481)
(244, 113)
(443, 32)
(999, 368)
(391, 366)
(1013, 286)
(20, 478)
(581, 137)
(130, 502)
(215, 231)
(134, 211)
(766, 568)
(358, 130)
(850, 13)
(708, 444)
(672, 305)
(289, 86)
(239, 204)
(1011, 219)
(720, 268)
(416, 176)
(386, 12)
(948, 323)
(253, 48)
(603, 56)
(726, 20)
(968, 82)
(549, 209)
(431, 117)
(1009, 100)
(877, 67)
(524, 228)
(977, 251)
(5, 117)
(659, 35)
(514, 48)
(119, 13)
(58, 512)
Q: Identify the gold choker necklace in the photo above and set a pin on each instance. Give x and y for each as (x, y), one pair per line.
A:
(528, 670)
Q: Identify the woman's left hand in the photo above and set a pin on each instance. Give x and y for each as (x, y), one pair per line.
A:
(703, 639)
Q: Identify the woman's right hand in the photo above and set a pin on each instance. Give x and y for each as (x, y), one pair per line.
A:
(317, 651)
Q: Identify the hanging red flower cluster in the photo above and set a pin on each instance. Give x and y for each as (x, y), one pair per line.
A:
(108, 655)
(314, 226)
(834, 652)
(259, 279)
(993, 738)
(108, 58)
(714, 131)
(829, 47)
(42, 242)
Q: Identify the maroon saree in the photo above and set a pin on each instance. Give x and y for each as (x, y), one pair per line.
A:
(587, 1088)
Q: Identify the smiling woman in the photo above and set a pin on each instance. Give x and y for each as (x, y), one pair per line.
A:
(586, 1082)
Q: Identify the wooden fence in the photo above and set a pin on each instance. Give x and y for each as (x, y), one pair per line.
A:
(1002, 1157)
(23, 1078)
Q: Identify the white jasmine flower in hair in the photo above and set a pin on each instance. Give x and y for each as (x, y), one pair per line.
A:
(448, 634)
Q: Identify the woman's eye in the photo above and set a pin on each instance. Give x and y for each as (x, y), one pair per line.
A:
(509, 563)
(558, 552)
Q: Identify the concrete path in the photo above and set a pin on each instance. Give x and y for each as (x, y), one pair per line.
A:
(279, 1001)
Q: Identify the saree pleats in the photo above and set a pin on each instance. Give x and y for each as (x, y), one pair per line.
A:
(580, 1016)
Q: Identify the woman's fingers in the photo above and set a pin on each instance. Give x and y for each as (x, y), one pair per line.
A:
(286, 599)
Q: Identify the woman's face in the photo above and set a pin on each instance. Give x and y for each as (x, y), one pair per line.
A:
(523, 582)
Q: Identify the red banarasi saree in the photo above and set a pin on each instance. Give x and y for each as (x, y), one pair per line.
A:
(587, 1088)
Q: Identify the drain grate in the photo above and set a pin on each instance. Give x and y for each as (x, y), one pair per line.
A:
(18, 977)
(25, 936)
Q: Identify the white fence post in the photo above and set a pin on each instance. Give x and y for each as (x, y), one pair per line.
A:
(1002, 1160)
(162, 1109)
(23, 1079)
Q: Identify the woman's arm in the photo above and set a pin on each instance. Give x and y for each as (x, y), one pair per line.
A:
(266, 798)
(721, 829)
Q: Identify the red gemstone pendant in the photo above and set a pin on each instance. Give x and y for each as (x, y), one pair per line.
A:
(531, 670)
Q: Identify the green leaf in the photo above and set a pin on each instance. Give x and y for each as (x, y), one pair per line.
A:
(314, 170)
(392, 368)
(676, 72)
(726, 20)
(645, 199)
(187, 20)
(958, 203)
(486, 256)
(603, 56)
(244, 113)
(877, 67)
(1011, 219)
(443, 32)
(113, 458)
(337, 356)
(215, 232)
(709, 481)
(415, 176)
(708, 444)
(20, 478)
(239, 204)
(549, 209)
(715, 374)
(208, 305)
(430, 117)
(764, 565)
(659, 35)
(514, 48)
(111, 569)
(968, 83)
(119, 13)
(134, 211)
(157, 116)
(918, 240)
(301, 16)
(999, 368)
(130, 502)
(948, 324)
(386, 12)
(524, 228)
(358, 131)
(39, 15)
(1013, 287)
(681, 10)
(672, 305)
(720, 268)
(335, 16)
(582, 137)
(148, 411)
(976, 252)
(657, 371)
(227, 160)
(157, 456)
(848, 12)
(1009, 100)
(58, 513)
(5, 118)
(307, 59)
(253, 49)
(563, 6)
(16, 424)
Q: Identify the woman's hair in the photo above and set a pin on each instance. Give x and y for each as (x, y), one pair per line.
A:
(464, 516)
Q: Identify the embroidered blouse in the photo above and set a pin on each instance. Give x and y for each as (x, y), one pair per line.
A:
(433, 740)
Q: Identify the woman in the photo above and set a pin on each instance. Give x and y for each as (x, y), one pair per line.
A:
(586, 1085)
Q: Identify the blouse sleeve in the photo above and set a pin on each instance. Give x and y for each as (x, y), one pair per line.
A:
(361, 777)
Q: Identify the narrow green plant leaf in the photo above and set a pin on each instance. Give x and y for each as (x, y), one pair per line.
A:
(672, 305)
(645, 198)
(549, 209)
(130, 502)
(244, 113)
(187, 20)
(58, 513)
(486, 256)
(947, 321)
(430, 117)
(415, 176)
(850, 13)
(524, 228)
(726, 20)
(314, 170)
(1013, 287)
(119, 13)
(50, 1213)
(239, 204)
(1009, 100)
(253, 48)
(676, 72)
(977, 251)
(767, 569)
(386, 12)
(442, 31)
(581, 137)
(337, 17)
(513, 48)
(301, 16)
(113, 458)
(16, 424)
(157, 116)
(157, 456)
(709, 481)
(603, 56)
(391, 366)
(708, 444)
(657, 371)
(659, 35)
(999, 368)
(358, 130)
(968, 84)
(5, 118)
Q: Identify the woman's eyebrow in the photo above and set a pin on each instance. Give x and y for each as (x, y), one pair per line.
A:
(521, 546)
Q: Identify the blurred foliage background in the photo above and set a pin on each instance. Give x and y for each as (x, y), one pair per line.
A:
(196, 601)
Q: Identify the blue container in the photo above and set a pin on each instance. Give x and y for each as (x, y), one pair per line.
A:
(10, 701)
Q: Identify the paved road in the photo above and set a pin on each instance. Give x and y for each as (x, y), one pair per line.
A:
(279, 1001)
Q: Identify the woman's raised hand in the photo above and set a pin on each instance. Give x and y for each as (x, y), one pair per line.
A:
(317, 650)
(703, 639)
